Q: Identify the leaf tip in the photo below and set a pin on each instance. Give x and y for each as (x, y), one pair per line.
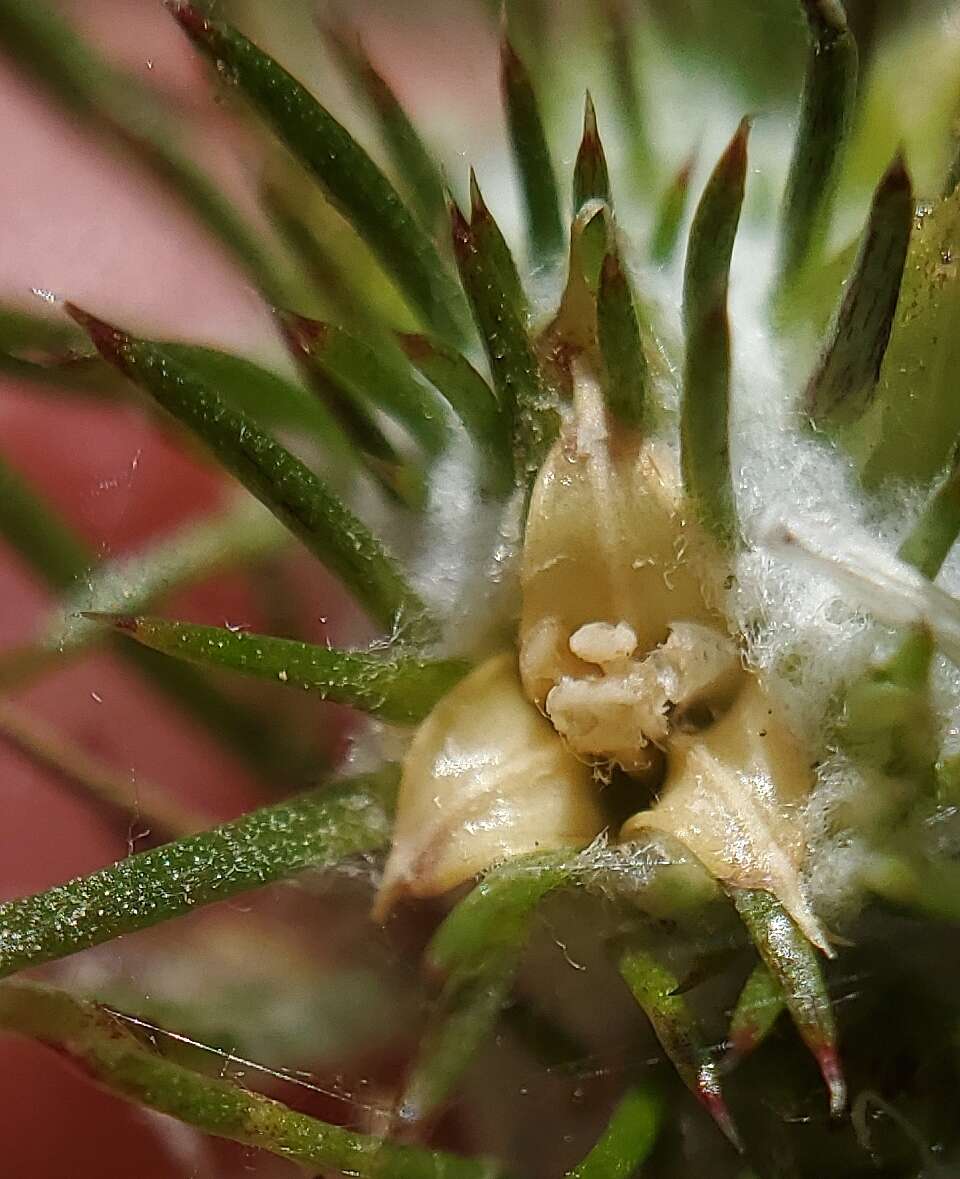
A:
(107, 339)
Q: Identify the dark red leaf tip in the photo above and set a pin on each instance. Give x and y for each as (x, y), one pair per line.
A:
(414, 345)
(191, 19)
(126, 622)
(708, 1091)
(830, 1069)
(107, 339)
(301, 333)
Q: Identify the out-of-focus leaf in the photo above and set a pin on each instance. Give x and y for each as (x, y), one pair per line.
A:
(531, 155)
(349, 177)
(913, 425)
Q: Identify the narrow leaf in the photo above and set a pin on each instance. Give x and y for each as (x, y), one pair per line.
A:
(63, 561)
(412, 162)
(517, 377)
(42, 540)
(843, 384)
(478, 949)
(704, 430)
(626, 379)
(403, 690)
(351, 180)
(912, 427)
(628, 1140)
(279, 480)
(794, 963)
(337, 284)
(619, 41)
(474, 403)
(655, 988)
(531, 155)
(314, 830)
(465, 1016)
(826, 115)
(244, 534)
(49, 51)
(673, 204)
(758, 1008)
(368, 376)
(106, 1048)
(591, 180)
(493, 245)
(933, 536)
(119, 796)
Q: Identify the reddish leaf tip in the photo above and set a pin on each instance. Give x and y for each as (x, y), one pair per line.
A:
(461, 232)
(591, 135)
(301, 333)
(125, 622)
(190, 19)
(107, 339)
(414, 345)
(708, 1091)
(830, 1069)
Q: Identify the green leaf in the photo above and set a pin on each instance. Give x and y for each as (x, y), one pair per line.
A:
(826, 116)
(369, 376)
(462, 1021)
(243, 534)
(493, 246)
(655, 988)
(40, 538)
(63, 562)
(672, 206)
(591, 180)
(478, 950)
(268, 398)
(517, 377)
(889, 721)
(105, 1045)
(915, 420)
(474, 403)
(49, 51)
(341, 290)
(929, 542)
(351, 180)
(318, 829)
(842, 386)
(759, 1006)
(628, 1140)
(626, 384)
(619, 41)
(398, 689)
(412, 163)
(290, 490)
(24, 332)
(794, 963)
(531, 156)
(704, 429)
(116, 794)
